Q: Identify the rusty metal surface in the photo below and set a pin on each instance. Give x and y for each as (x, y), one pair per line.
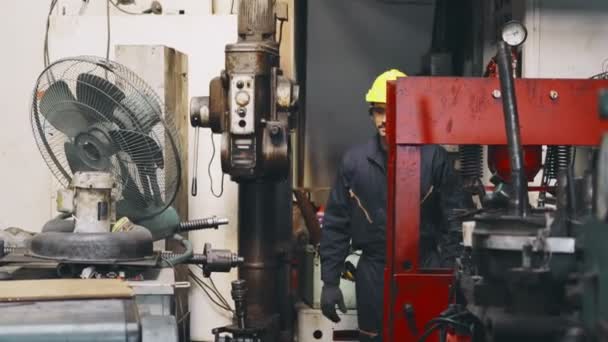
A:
(251, 58)
(218, 105)
(448, 110)
(256, 19)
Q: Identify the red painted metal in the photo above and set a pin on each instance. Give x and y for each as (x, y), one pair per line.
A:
(427, 293)
(448, 110)
(499, 161)
(441, 110)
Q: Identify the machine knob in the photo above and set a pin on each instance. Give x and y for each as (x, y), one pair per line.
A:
(241, 112)
(242, 98)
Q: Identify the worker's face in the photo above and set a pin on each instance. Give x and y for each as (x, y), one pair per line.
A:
(379, 117)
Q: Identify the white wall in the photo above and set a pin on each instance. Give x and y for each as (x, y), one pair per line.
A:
(566, 38)
(24, 178)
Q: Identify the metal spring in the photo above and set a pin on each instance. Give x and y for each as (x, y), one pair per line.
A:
(471, 159)
(211, 222)
(197, 258)
(558, 158)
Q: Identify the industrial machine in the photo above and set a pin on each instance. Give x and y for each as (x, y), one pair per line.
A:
(251, 104)
(108, 140)
(526, 273)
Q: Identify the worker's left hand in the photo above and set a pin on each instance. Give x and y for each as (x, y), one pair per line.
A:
(331, 295)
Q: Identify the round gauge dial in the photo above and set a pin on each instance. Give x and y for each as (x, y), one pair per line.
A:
(514, 33)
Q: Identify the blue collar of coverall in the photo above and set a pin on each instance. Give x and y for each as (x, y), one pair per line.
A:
(375, 153)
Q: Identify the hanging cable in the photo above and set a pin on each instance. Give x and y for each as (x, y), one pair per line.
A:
(178, 299)
(206, 288)
(209, 172)
(123, 10)
(215, 290)
(218, 292)
(46, 57)
(281, 31)
(194, 188)
(108, 30)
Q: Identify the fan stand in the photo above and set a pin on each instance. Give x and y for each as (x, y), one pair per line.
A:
(91, 201)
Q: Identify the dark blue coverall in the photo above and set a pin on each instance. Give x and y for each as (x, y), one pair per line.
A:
(356, 211)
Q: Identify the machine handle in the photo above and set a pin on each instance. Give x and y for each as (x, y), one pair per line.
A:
(194, 189)
(408, 311)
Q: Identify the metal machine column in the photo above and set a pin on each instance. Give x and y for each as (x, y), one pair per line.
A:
(263, 221)
(250, 105)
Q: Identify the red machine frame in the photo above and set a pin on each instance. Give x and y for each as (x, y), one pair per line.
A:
(455, 111)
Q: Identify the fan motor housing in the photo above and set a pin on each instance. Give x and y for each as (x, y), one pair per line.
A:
(90, 200)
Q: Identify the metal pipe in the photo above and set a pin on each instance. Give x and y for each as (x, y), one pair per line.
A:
(519, 200)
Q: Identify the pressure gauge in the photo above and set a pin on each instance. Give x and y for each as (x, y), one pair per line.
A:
(514, 33)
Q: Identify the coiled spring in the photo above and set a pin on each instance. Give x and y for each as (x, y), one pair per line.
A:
(471, 159)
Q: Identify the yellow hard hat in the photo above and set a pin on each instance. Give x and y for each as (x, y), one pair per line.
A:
(377, 93)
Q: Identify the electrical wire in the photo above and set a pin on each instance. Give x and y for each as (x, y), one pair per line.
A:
(218, 292)
(215, 290)
(466, 323)
(184, 315)
(206, 288)
(46, 57)
(177, 298)
(108, 29)
(281, 32)
(232, 7)
(209, 172)
(123, 10)
(211, 298)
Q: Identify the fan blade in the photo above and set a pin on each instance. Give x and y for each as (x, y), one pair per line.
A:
(100, 95)
(142, 149)
(130, 191)
(74, 161)
(60, 109)
(147, 156)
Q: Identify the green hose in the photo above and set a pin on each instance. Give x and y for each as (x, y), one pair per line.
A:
(178, 259)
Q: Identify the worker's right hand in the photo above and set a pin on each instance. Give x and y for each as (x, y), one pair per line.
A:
(331, 295)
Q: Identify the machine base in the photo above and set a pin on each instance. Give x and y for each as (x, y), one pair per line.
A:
(314, 327)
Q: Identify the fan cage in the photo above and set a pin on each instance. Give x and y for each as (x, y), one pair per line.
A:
(76, 105)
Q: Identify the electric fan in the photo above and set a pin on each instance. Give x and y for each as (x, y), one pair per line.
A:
(94, 115)
(105, 135)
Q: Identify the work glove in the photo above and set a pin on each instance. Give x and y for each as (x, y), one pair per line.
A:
(331, 295)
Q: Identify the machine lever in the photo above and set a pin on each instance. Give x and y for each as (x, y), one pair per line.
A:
(194, 189)
(408, 311)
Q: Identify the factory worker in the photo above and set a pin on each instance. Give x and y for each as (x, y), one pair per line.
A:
(356, 213)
